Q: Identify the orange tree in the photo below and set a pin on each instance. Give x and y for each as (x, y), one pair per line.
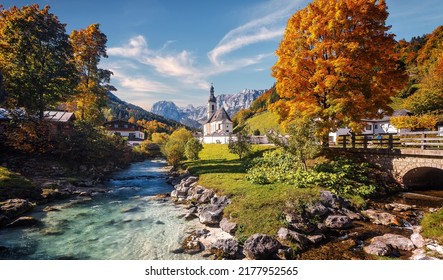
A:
(89, 46)
(336, 64)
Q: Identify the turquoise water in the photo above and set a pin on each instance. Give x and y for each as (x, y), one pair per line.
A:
(124, 224)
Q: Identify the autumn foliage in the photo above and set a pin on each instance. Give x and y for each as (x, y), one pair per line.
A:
(336, 64)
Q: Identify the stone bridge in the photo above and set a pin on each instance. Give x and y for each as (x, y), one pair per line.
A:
(413, 168)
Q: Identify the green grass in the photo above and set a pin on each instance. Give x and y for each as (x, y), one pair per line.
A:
(13, 185)
(264, 122)
(432, 224)
(255, 208)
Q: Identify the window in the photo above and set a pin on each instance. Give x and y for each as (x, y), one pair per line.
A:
(212, 107)
(368, 127)
(126, 126)
(375, 126)
(116, 125)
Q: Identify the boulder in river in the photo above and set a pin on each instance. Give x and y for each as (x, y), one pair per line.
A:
(381, 218)
(15, 207)
(261, 247)
(383, 245)
(225, 248)
(338, 222)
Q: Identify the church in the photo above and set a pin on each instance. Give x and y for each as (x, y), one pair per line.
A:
(219, 126)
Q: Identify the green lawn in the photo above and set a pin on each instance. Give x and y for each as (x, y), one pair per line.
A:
(255, 208)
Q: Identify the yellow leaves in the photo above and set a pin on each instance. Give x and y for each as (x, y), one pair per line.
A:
(415, 122)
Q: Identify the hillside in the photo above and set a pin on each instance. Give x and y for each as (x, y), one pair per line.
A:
(120, 109)
(264, 122)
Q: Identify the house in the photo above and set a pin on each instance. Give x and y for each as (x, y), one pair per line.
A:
(61, 122)
(130, 131)
(219, 126)
(373, 126)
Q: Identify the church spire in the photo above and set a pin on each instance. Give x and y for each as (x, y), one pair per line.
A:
(211, 102)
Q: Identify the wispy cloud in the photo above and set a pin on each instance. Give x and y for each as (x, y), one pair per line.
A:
(141, 84)
(267, 26)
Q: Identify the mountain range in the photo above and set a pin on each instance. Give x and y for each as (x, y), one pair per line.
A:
(196, 116)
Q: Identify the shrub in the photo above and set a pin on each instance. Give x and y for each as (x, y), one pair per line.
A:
(192, 148)
(241, 146)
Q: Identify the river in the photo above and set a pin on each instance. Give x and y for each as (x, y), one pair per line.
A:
(123, 224)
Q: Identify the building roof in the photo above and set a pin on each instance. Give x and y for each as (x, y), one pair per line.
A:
(58, 116)
(396, 113)
(220, 115)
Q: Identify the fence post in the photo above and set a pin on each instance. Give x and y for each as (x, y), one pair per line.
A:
(390, 142)
(344, 141)
(423, 140)
(353, 140)
(365, 141)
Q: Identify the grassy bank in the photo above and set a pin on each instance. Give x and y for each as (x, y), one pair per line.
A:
(432, 224)
(255, 208)
(13, 185)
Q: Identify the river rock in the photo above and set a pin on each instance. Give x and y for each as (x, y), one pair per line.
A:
(206, 196)
(331, 200)
(228, 226)
(225, 248)
(15, 207)
(299, 222)
(191, 245)
(381, 218)
(399, 207)
(395, 241)
(338, 222)
(24, 221)
(418, 240)
(287, 234)
(211, 214)
(317, 209)
(351, 214)
(378, 248)
(261, 247)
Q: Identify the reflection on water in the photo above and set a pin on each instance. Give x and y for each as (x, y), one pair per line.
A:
(122, 224)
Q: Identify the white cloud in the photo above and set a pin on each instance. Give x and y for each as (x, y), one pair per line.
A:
(141, 84)
(136, 47)
(269, 24)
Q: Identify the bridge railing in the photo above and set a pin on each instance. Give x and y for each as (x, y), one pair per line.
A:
(424, 140)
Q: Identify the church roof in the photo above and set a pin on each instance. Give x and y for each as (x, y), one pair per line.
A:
(220, 115)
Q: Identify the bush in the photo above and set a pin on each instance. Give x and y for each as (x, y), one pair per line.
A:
(241, 146)
(343, 177)
(192, 148)
(174, 149)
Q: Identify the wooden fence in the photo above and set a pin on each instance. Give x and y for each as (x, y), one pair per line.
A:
(424, 140)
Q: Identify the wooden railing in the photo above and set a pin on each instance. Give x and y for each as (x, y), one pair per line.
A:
(424, 140)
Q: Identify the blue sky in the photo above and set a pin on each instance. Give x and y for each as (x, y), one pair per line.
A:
(173, 49)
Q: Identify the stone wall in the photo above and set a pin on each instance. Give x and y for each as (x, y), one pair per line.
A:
(400, 162)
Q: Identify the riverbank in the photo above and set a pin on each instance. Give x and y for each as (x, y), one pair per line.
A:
(299, 223)
(30, 181)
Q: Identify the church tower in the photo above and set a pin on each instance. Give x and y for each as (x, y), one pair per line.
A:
(212, 103)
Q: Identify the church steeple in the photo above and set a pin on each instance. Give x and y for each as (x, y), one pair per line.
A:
(211, 102)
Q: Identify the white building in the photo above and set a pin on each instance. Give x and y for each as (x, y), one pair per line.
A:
(219, 125)
(373, 127)
(133, 133)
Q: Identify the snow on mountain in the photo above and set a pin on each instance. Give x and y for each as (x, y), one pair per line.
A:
(196, 116)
